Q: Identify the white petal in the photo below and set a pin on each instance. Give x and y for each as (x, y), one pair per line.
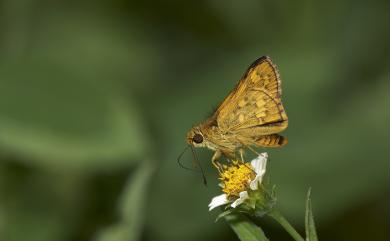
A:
(254, 184)
(259, 164)
(243, 196)
(218, 201)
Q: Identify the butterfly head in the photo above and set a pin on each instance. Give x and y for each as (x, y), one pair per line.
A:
(196, 138)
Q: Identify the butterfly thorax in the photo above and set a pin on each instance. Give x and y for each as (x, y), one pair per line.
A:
(216, 139)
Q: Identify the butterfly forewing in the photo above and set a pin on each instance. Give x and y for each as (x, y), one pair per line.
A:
(254, 107)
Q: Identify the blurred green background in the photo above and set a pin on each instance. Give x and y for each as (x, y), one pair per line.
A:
(96, 98)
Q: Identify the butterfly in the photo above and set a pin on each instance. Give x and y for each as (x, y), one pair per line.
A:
(250, 116)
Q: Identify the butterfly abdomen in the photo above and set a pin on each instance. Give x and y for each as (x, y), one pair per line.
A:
(273, 140)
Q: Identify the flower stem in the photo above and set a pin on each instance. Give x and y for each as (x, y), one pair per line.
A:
(275, 214)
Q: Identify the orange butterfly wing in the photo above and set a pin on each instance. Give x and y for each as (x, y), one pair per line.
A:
(254, 107)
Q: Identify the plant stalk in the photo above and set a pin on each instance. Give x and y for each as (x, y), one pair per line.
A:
(278, 217)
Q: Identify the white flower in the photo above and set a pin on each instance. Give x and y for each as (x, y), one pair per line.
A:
(239, 177)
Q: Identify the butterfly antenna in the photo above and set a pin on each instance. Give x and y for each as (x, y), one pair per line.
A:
(200, 166)
(179, 160)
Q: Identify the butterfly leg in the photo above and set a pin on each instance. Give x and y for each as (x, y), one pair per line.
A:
(242, 154)
(214, 161)
(253, 150)
(247, 146)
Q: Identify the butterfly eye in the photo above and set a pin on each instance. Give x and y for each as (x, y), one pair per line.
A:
(198, 138)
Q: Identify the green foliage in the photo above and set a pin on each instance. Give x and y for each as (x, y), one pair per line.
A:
(311, 233)
(132, 205)
(245, 229)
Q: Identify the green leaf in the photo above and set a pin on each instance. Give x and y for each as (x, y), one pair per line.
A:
(311, 234)
(245, 229)
(131, 208)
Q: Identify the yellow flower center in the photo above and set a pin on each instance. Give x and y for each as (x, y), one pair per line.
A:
(236, 178)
